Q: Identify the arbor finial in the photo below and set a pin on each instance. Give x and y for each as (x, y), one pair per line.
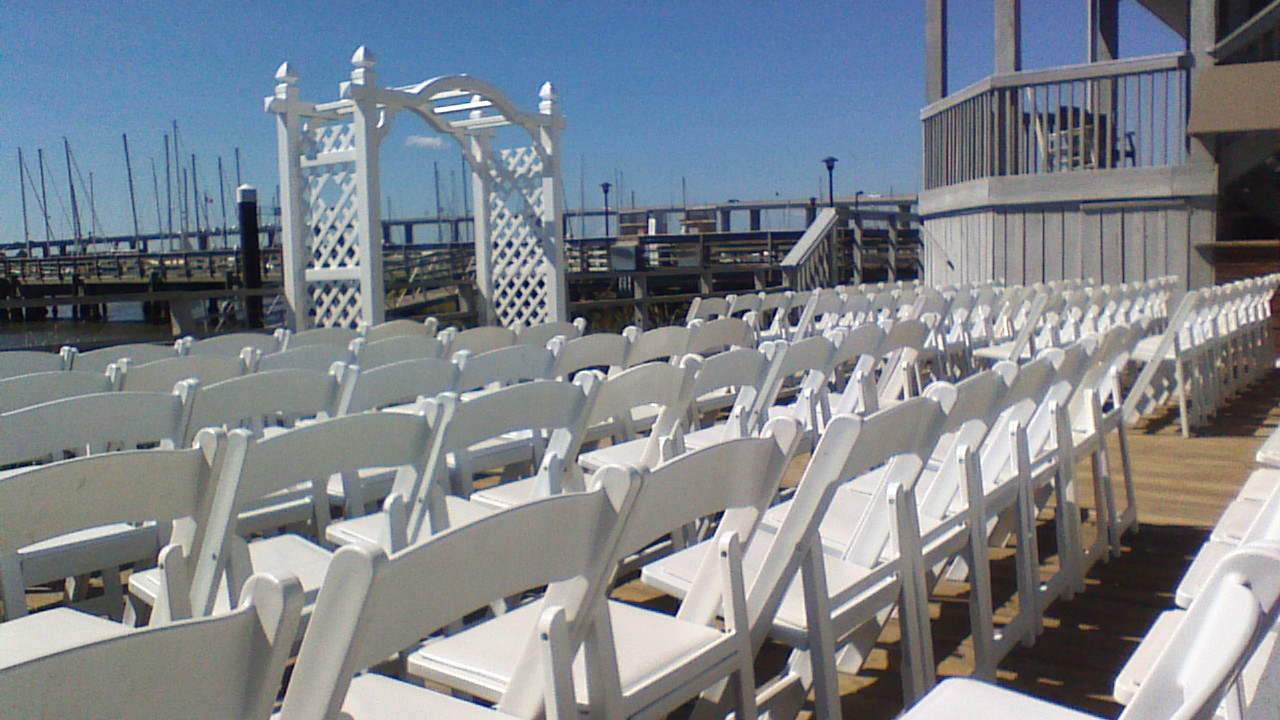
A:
(287, 73)
(363, 58)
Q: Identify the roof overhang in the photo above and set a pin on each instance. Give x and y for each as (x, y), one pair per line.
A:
(1236, 98)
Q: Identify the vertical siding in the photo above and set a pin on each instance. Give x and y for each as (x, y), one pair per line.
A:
(1133, 244)
(999, 248)
(1107, 243)
(1157, 242)
(1072, 266)
(1202, 221)
(1033, 247)
(1091, 245)
(1177, 232)
(1112, 240)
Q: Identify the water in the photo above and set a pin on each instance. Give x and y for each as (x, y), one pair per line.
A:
(124, 323)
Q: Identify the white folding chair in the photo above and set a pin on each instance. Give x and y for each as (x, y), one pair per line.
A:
(536, 423)
(266, 402)
(398, 348)
(832, 597)
(373, 607)
(606, 352)
(318, 356)
(503, 366)
(643, 412)
(395, 384)
(24, 390)
(215, 668)
(477, 340)
(231, 344)
(162, 375)
(427, 327)
(715, 336)
(662, 661)
(662, 343)
(334, 336)
(1197, 671)
(24, 362)
(543, 333)
(292, 471)
(97, 360)
(78, 516)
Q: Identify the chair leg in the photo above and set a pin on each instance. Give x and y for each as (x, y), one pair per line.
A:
(13, 590)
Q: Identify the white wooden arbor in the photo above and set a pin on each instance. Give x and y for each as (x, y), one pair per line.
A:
(330, 196)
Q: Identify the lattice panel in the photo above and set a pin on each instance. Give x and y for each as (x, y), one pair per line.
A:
(521, 292)
(336, 304)
(333, 221)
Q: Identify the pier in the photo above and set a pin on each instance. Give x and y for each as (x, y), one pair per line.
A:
(631, 277)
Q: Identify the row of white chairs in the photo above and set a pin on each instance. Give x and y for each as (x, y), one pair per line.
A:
(373, 605)
(900, 426)
(1217, 342)
(1252, 517)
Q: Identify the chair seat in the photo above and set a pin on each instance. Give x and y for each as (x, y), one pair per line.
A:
(674, 575)
(1269, 453)
(88, 550)
(292, 555)
(841, 521)
(1260, 484)
(375, 485)
(1146, 348)
(963, 698)
(481, 660)
(51, 631)
(375, 528)
(1235, 520)
(289, 506)
(997, 352)
(1139, 665)
(375, 697)
(624, 453)
(1193, 580)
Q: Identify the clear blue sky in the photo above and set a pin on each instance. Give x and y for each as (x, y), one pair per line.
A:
(741, 99)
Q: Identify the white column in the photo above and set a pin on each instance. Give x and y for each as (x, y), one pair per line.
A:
(478, 154)
(286, 104)
(552, 205)
(368, 191)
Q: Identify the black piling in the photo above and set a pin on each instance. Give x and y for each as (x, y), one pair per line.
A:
(250, 254)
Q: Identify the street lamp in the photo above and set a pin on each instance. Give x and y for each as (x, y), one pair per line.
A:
(830, 162)
(605, 187)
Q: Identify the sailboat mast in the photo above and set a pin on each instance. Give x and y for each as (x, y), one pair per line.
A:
(435, 166)
(168, 186)
(155, 188)
(222, 196)
(195, 195)
(133, 201)
(26, 230)
(75, 208)
(44, 201)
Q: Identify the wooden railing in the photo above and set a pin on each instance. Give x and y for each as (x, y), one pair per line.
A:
(812, 262)
(1120, 114)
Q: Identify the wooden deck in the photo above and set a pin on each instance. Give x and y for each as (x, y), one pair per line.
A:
(1183, 484)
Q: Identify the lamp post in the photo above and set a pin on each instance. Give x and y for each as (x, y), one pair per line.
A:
(830, 162)
(605, 187)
